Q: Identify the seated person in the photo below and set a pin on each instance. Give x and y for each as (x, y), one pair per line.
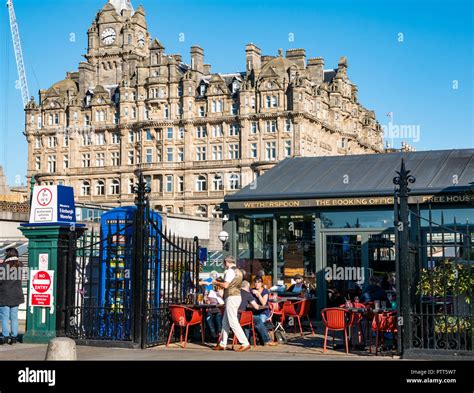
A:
(373, 291)
(261, 295)
(248, 301)
(214, 315)
(299, 286)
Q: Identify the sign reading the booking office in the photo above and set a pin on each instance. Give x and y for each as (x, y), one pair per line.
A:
(53, 205)
(41, 288)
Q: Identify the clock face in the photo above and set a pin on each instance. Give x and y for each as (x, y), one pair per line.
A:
(108, 36)
(141, 40)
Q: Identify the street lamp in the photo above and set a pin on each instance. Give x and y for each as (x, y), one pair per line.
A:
(223, 237)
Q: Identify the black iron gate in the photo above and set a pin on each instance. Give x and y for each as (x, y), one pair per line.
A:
(435, 278)
(140, 277)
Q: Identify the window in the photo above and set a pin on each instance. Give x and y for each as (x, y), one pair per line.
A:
(169, 154)
(134, 113)
(149, 156)
(288, 125)
(202, 89)
(100, 139)
(270, 149)
(253, 150)
(234, 151)
(38, 143)
(131, 136)
(87, 120)
(274, 101)
(202, 111)
(148, 181)
(169, 183)
(166, 112)
(267, 101)
(159, 155)
(180, 90)
(56, 119)
(131, 185)
(254, 127)
(100, 159)
(217, 152)
(131, 157)
(201, 153)
(180, 154)
(86, 140)
(181, 133)
(271, 126)
(52, 141)
(216, 212)
(235, 109)
(234, 182)
(217, 183)
(170, 133)
(287, 148)
(201, 183)
(100, 188)
(252, 102)
(85, 188)
(86, 160)
(65, 161)
(148, 135)
(115, 138)
(201, 211)
(180, 184)
(115, 187)
(38, 163)
(115, 158)
(201, 132)
(233, 130)
(51, 164)
(217, 131)
(66, 140)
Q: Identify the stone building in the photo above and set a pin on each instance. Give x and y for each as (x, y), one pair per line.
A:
(196, 135)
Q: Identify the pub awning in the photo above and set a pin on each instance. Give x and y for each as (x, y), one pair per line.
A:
(439, 171)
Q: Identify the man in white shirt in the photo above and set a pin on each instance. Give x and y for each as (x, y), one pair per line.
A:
(232, 283)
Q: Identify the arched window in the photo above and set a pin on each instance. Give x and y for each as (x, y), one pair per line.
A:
(234, 181)
(85, 188)
(201, 211)
(115, 187)
(201, 183)
(100, 188)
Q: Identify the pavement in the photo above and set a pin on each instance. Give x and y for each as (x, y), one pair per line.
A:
(298, 348)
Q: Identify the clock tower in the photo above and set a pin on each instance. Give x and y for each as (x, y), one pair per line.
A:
(118, 43)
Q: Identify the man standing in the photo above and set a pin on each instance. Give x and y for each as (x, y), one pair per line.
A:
(232, 282)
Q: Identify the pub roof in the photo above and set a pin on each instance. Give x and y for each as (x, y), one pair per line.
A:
(437, 171)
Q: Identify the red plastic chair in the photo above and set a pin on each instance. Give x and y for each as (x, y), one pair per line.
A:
(246, 319)
(336, 319)
(178, 316)
(382, 323)
(303, 306)
(277, 311)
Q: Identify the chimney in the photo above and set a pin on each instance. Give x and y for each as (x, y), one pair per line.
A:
(197, 59)
(316, 69)
(297, 56)
(253, 57)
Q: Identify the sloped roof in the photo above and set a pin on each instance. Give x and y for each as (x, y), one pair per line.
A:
(368, 175)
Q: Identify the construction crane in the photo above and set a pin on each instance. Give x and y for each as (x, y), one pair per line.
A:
(20, 65)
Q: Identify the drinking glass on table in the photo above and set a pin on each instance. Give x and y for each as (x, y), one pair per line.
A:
(377, 304)
(200, 298)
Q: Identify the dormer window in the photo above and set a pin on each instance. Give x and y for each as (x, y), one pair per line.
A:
(235, 86)
(202, 89)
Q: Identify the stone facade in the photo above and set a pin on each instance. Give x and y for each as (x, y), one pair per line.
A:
(196, 135)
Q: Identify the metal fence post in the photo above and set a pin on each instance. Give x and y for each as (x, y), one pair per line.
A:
(404, 279)
(141, 189)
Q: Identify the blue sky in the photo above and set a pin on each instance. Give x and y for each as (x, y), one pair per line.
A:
(405, 56)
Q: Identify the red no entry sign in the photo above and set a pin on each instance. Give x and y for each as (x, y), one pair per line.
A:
(41, 282)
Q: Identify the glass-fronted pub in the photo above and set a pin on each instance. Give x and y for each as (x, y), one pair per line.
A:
(308, 214)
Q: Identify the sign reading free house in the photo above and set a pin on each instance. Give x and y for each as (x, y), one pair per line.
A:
(53, 205)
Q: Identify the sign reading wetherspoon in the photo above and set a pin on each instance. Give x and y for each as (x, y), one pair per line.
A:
(347, 202)
(52, 205)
